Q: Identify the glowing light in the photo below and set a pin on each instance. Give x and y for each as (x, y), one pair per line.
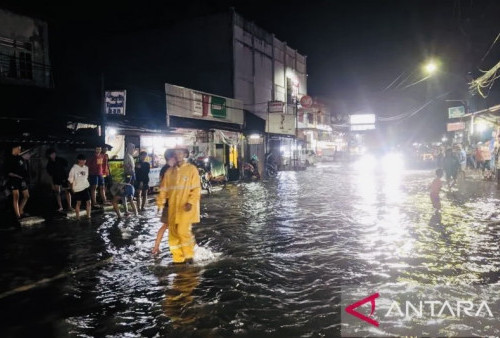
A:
(112, 131)
(430, 67)
(255, 136)
(366, 162)
(444, 139)
(362, 119)
(393, 163)
(481, 126)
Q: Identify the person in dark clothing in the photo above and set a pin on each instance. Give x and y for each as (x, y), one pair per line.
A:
(169, 153)
(17, 176)
(57, 168)
(451, 167)
(142, 169)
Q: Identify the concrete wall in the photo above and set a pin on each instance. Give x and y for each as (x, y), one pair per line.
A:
(24, 50)
(262, 64)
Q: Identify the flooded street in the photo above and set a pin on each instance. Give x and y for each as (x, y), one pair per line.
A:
(272, 257)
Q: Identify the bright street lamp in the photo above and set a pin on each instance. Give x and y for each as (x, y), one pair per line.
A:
(430, 68)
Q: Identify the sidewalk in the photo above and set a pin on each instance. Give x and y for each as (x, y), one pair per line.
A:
(42, 208)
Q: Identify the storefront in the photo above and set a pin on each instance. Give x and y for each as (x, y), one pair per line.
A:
(215, 126)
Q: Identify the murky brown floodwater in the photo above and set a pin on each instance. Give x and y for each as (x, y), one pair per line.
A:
(271, 261)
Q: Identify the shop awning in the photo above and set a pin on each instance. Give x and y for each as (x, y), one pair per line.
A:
(253, 124)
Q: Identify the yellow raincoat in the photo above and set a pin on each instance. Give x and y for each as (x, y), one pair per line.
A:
(181, 185)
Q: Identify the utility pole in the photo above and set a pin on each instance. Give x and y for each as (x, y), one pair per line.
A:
(103, 111)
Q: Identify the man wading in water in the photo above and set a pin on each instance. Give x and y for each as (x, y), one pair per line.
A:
(181, 188)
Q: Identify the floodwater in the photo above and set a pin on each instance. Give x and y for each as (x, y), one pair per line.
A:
(271, 260)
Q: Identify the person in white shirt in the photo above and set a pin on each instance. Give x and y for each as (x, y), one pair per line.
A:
(79, 183)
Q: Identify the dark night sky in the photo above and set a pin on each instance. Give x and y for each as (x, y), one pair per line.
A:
(354, 48)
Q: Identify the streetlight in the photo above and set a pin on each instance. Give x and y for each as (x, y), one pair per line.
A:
(430, 68)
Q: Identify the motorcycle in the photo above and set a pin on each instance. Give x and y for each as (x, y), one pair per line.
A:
(203, 165)
(205, 180)
(271, 167)
(251, 169)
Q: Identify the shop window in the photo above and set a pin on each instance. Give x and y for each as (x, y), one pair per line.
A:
(12, 72)
(25, 66)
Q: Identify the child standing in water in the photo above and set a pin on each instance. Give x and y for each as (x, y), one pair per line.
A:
(79, 183)
(435, 189)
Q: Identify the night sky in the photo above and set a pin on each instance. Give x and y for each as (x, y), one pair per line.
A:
(354, 49)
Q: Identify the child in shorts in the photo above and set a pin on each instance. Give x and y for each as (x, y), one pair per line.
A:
(435, 188)
(79, 183)
(124, 192)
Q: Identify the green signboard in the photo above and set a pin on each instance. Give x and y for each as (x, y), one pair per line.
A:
(218, 107)
(456, 112)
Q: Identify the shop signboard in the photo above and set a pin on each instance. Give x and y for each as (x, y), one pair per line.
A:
(115, 101)
(362, 119)
(362, 127)
(275, 106)
(281, 124)
(455, 126)
(188, 103)
(456, 112)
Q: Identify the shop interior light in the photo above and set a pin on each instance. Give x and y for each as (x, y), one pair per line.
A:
(481, 126)
(112, 131)
(255, 136)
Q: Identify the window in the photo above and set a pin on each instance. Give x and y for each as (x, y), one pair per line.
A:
(25, 66)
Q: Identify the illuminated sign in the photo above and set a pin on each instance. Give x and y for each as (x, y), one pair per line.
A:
(456, 112)
(362, 119)
(115, 102)
(455, 126)
(361, 127)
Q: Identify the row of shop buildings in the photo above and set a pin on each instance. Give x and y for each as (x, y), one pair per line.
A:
(218, 85)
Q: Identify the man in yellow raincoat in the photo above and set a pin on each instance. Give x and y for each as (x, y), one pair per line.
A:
(181, 188)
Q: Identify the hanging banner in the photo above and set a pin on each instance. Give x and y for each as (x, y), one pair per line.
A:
(114, 102)
(456, 112)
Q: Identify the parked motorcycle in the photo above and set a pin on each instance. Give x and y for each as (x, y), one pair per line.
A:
(203, 165)
(205, 180)
(251, 169)
(271, 167)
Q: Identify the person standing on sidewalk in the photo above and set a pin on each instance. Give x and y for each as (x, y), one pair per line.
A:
(17, 179)
(181, 188)
(57, 168)
(79, 181)
(96, 179)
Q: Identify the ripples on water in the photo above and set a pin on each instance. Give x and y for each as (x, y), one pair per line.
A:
(271, 257)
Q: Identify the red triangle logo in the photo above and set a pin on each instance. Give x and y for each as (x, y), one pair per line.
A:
(350, 309)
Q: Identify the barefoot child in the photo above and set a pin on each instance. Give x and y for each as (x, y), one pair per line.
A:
(79, 183)
(124, 192)
(169, 156)
(435, 188)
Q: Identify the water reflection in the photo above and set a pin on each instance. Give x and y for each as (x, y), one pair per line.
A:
(179, 297)
(273, 256)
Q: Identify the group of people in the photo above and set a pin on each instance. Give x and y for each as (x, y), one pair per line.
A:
(178, 200)
(453, 162)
